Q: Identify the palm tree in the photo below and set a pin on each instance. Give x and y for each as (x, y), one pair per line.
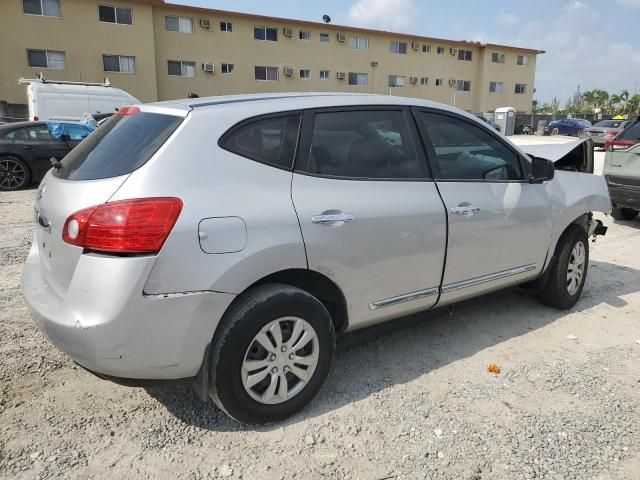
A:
(633, 106)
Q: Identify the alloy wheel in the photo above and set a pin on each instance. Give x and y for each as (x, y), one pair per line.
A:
(280, 360)
(12, 174)
(575, 269)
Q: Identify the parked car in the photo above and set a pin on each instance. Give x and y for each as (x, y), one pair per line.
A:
(489, 122)
(622, 171)
(605, 130)
(569, 126)
(27, 147)
(229, 240)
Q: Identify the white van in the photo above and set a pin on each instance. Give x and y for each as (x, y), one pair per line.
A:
(56, 100)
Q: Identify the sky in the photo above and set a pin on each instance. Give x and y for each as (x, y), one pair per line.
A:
(591, 43)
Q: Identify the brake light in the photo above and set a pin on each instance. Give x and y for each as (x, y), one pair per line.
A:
(36, 118)
(613, 145)
(125, 226)
(128, 111)
(611, 133)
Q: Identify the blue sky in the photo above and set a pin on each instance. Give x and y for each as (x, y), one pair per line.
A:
(594, 44)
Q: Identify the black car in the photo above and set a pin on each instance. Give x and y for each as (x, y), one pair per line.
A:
(27, 147)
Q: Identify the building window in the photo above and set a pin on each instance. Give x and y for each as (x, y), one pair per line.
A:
(398, 47)
(226, 27)
(521, 88)
(439, 82)
(465, 55)
(397, 81)
(358, 79)
(305, 73)
(266, 74)
(440, 51)
(359, 43)
(265, 33)
(523, 59)
(424, 81)
(46, 59)
(46, 8)
(115, 15)
(496, 87)
(426, 48)
(497, 57)
(119, 63)
(179, 68)
(178, 24)
(227, 68)
(463, 86)
(324, 37)
(305, 35)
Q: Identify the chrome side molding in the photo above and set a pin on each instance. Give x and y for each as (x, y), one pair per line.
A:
(472, 282)
(407, 297)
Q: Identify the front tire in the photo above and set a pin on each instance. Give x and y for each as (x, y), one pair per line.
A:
(272, 354)
(555, 132)
(569, 272)
(624, 213)
(14, 174)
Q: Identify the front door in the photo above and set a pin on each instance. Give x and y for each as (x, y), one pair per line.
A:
(499, 223)
(371, 217)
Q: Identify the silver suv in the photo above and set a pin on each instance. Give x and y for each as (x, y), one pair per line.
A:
(231, 240)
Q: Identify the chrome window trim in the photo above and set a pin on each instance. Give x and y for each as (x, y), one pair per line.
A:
(472, 282)
(407, 297)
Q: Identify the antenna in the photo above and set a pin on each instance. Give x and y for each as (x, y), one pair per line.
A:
(326, 19)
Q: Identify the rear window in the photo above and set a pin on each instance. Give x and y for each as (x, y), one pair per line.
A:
(631, 132)
(121, 145)
(608, 124)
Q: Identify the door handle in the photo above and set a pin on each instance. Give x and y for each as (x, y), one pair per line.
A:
(465, 209)
(333, 218)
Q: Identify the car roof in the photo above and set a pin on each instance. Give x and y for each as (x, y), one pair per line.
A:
(15, 125)
(278, 102)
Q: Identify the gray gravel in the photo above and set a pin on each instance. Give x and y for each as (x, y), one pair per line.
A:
(411, 399)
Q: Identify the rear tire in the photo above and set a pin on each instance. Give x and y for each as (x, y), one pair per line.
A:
(14, 174)
(257, 339)
(569, 272)
(624, 213)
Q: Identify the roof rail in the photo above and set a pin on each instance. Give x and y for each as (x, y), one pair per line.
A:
(40, 79)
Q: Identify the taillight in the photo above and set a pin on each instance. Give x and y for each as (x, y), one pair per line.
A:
(126, 226)
(36, 118)
(613, 145)
(611, 133)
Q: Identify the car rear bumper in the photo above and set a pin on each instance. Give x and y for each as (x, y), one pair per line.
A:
(105, 323)
(625, 194)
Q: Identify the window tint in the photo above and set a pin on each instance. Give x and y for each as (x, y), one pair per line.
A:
(120, 146)
(269, 140)
(363, 144)
(34, 134)
(464, 151)
(631, 132)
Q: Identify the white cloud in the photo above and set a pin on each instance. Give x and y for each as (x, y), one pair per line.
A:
(384, 14)
(507, 19)
(630, 3)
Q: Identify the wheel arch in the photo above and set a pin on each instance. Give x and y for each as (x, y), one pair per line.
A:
(318, 285)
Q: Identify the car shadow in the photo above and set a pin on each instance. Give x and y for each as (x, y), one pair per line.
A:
(635, 223)
(404, 349)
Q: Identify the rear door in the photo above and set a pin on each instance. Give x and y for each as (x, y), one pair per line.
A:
(623, 157)
(370, 214)
(36, 145)
(499, 223)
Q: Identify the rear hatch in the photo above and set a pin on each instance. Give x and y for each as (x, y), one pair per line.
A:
(91, 173)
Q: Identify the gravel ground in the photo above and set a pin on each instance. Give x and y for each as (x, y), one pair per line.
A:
(411, 399)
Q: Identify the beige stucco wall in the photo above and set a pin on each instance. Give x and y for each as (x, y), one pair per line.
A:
(84, 39)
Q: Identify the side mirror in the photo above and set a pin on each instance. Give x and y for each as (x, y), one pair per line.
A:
(541, 170)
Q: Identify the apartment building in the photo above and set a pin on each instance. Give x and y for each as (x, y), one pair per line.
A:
(160, 51)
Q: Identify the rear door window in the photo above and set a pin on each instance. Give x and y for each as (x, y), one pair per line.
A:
(270, 140)
(364, 144)
(121, 145)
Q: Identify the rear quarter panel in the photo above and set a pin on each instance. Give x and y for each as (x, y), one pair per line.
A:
(213, 182)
